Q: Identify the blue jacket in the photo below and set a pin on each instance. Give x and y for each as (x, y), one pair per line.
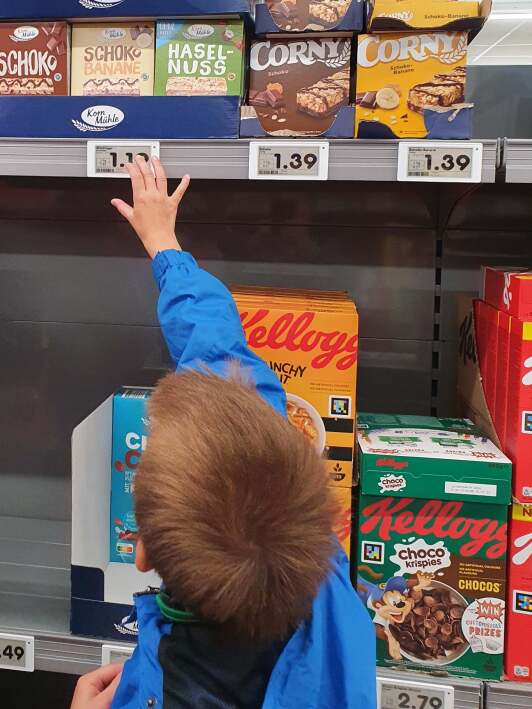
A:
(329, 662)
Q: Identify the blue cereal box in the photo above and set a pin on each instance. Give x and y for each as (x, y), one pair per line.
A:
(130, 432)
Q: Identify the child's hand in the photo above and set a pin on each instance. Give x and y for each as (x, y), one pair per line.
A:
(97, 689)
(154, 213)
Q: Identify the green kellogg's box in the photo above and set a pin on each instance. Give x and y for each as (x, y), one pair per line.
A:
(433, 510)
(199, 58)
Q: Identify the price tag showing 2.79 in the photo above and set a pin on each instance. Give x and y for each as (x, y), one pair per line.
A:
(17, 652)
(436, 161)
(404, 694)
(288, 160)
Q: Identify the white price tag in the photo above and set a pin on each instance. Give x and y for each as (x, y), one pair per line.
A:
(436, 161)
(116, 653)
(108, 158)
(17, 652)
(288, 160)
(406, 694)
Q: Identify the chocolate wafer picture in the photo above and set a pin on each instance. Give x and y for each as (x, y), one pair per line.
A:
(300, 15)
(113, 60)
(297, 87)
(34, 59)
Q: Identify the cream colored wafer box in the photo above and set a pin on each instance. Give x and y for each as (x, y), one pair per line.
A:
(113, 59)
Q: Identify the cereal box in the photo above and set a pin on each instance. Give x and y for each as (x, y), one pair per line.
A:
(432, 548)
(312, 346)
(343, 525)
(297, 87)
(509, 290)
(200, 58)
(129, 440)
(501, 378)
(113, 59)
(518, 655)
(399, 15)
(519, 412)
(412, 85)
(34, 59)
(308, 15)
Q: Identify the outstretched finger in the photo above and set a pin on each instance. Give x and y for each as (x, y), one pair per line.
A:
(137, 180)
(123, 208)
(106, 697)
(160, 175)
(147, 172)
(181, 190)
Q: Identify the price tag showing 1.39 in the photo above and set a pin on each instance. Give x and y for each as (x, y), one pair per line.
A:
(436, 161)
(403, 694)
(17, 652)
(288, 160)
(109, 158)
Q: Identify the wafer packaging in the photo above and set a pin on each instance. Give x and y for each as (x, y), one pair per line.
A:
(408, 85)
(34, 59)
(113, 59)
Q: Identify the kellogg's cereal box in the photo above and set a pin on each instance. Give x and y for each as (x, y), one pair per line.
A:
(518, 653)
(412, 85)
(343, 525)
(34, 59)
(199, 58)
(509, 290)
(432, 542)
(129, 440)
(311, 343)
(113, 59)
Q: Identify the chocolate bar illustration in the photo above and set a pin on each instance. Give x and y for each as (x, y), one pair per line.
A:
(196, 86)
(26, 87)
(443, 90)
(324, 97)
(111, 87)
(329, 12)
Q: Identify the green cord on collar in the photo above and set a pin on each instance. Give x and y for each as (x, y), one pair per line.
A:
(173, 614)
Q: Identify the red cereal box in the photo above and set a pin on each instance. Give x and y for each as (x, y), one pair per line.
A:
(509, 289)
(518, 655)
(487, 339)
(501, 397)
(518, 444)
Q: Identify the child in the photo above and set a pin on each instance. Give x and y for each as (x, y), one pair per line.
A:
(234, 514)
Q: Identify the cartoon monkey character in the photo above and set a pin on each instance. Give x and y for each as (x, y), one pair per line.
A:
(391, 603)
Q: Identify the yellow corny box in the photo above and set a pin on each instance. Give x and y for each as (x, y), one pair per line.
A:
(406, 15)
(311, 343)
(405, 82)
(343, 527)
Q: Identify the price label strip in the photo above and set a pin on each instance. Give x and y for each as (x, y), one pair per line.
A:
(116, 653)
(17, 652)
(288, 160)
(108, 158)
(436, 161)
(404, 694)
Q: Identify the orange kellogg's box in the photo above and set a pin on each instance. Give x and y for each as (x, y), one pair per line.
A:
(311, 342)
(412, 86)
(343, 525)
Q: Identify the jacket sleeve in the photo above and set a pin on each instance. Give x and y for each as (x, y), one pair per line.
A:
(201, 324)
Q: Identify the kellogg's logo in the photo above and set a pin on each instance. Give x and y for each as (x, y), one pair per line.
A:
(294, 332)
(439, 519)
(392, 483)
(447, 48)
(391, 463)
(99, 118)
(24, 34)
(523, 545)
(334, 53)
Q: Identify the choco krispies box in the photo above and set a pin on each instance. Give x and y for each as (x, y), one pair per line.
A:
(432, 539)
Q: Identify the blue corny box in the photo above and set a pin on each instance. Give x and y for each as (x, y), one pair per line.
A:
(130, 431)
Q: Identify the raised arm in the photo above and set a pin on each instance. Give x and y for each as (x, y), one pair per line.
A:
(197, 313)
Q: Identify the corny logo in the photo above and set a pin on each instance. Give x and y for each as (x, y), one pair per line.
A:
(448, 48)
(24, 34)
(99, 118)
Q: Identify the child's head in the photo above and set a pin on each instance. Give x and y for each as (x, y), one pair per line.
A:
(233, 508)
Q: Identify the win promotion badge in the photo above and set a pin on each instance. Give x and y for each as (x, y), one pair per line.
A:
(130, 431)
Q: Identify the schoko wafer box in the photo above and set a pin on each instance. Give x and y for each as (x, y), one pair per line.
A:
(519, 412)
(311, 343)
(518, 653)
(113, 59)
(509, 290)
(404, 80)
(34, 59)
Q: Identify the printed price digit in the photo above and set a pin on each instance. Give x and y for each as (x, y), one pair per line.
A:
(435, 161)
(16, 652)
(288, 160)
(107, 158)
(402, 694)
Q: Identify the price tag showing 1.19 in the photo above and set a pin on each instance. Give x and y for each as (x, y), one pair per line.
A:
(436, 161)
(288, 160)
(109, 158)
(17, 652)
(403, 694)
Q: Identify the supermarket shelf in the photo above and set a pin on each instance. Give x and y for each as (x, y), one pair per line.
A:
(508, 694)
(518, 160)
(468, 693)
(349, 159)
